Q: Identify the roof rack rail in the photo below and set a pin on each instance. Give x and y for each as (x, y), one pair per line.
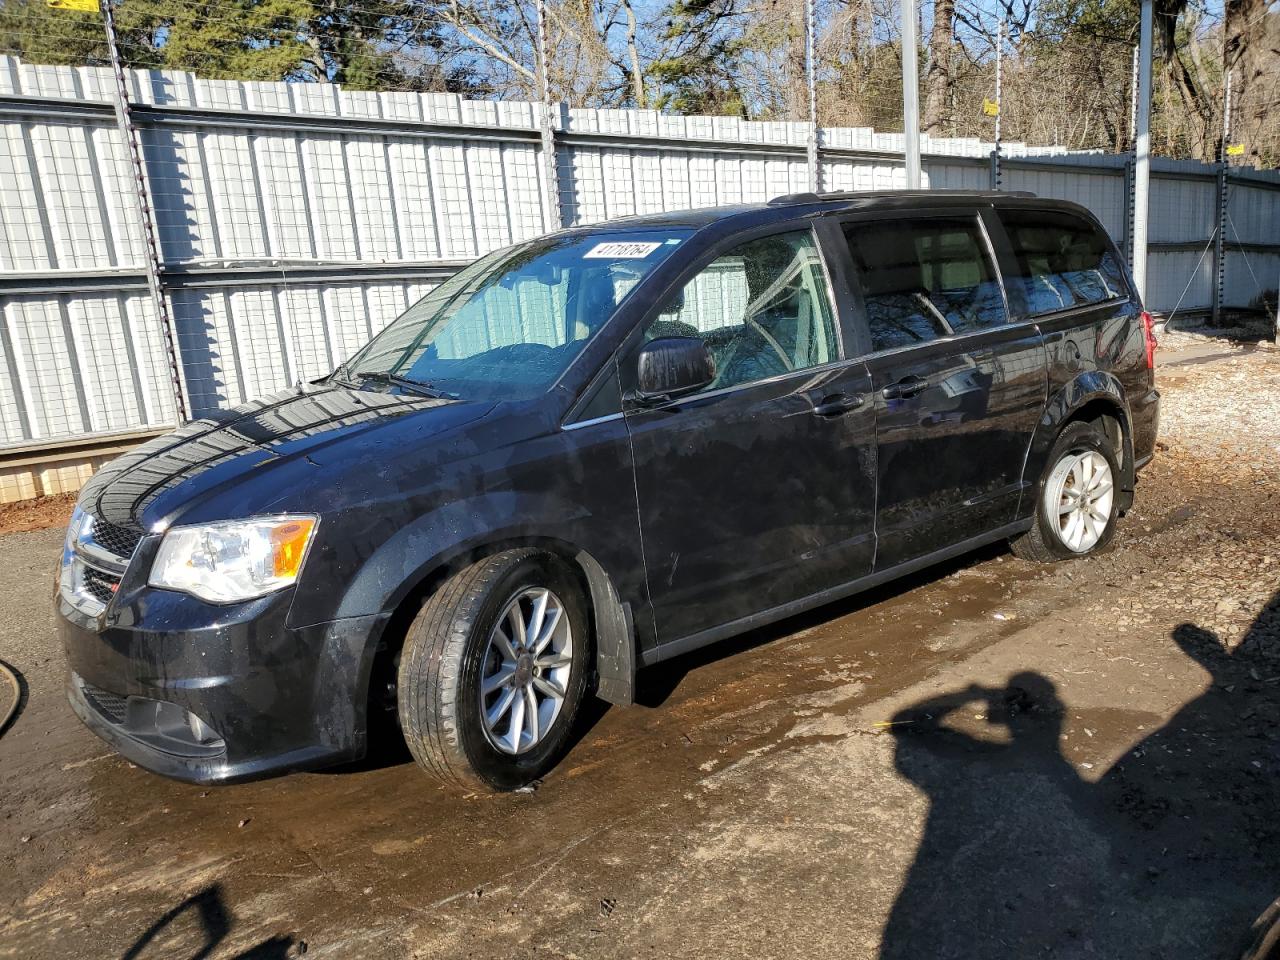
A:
(808, 196)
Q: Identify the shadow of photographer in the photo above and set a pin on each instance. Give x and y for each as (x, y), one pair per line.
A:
(1172, 853)
(166, 937)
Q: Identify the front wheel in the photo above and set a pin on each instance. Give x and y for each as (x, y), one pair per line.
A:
(493, 671)
(1076, 504)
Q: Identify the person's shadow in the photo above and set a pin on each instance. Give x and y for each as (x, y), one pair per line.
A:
(1172, 853)
(195, 929)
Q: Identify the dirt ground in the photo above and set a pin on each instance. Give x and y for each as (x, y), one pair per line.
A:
(36, 514)
(991, 759)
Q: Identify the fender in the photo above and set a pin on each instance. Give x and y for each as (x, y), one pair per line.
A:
(1097, 390)
(448, 536)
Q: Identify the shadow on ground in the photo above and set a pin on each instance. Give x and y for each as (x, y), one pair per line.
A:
(1185, 823)
(171, 935)
(14, 695)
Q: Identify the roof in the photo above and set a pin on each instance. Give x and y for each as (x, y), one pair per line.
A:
(786, 206)
(794, 199)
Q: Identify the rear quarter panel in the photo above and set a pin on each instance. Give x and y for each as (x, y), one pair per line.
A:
(1092, 352)
(1095, 352)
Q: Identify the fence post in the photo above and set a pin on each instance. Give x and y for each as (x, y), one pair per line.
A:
(552, 212)
(996, 173)
(1220, 235)
(811, 77)
(151, 237)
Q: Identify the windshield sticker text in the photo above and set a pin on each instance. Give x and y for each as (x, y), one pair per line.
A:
(620, 251)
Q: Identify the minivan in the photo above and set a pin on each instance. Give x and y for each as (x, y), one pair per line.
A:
(597, 450)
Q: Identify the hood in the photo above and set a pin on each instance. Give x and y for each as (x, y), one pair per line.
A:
(322, 425)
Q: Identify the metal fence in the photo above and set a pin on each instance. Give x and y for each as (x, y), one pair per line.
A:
(295, 220)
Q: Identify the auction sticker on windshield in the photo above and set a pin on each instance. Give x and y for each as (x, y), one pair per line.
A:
(620, 251)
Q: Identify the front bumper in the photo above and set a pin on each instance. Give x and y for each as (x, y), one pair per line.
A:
(215, 694)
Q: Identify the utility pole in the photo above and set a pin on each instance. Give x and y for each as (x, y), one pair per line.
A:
(1220, 234)
(124, 120)
(911, 94)
(1142, 153)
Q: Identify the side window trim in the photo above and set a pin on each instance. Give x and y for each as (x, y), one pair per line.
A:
(997, 265)
(632, 342)
(1075, 310)
(851, 309)
(1006, 264)
(576, 417)
(739, 387)
(951, 339)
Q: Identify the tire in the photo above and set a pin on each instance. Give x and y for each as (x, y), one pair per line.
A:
(457, 642)
(1052, 536)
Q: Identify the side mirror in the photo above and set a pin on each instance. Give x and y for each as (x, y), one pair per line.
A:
(671, 367)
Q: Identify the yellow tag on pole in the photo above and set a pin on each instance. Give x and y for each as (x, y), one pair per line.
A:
(1235, 149)
(80, 6)
(990, 108)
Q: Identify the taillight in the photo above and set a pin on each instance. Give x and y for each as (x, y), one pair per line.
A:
(1149, 335)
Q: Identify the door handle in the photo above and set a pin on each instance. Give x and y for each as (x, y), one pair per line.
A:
(905, 388)
(836, 404)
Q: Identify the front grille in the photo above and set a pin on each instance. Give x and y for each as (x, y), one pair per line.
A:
(112, 707)
(114, 538)
(99, 585)
(94, 563)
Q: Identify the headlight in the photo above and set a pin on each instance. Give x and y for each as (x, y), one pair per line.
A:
(233, 560)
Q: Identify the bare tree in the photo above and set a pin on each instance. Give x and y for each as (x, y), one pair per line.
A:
(633, 56)
(937, 76)
(1250, 50)
(1201, 135)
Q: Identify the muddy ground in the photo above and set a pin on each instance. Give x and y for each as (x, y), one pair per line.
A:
(991, 759)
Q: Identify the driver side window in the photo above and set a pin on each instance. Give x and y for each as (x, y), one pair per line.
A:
(762, 309)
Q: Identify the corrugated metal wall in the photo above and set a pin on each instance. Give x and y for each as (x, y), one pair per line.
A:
(296, 220)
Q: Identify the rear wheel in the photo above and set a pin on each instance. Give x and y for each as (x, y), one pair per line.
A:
(493, 671)
(1076, 503)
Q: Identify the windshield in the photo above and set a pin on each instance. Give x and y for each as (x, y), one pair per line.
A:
(508, 325)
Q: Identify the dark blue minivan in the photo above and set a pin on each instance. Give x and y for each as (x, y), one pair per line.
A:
(595, 451)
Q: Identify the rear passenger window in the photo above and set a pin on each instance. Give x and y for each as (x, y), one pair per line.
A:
(1063, 261)
(924, 279)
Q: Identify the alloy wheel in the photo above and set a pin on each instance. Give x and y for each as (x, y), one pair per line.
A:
(525, 673)
(1078, 498)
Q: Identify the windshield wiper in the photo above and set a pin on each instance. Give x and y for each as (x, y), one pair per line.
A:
(395, 380)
